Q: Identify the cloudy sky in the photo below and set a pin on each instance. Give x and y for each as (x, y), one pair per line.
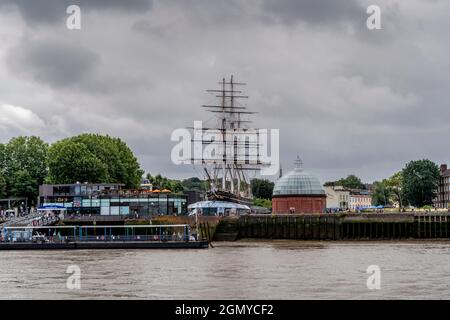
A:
(347, 99)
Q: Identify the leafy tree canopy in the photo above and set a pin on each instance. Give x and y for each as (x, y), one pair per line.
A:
(351, 182)
(266, 203)
(23, 166)
(71, 161)
(93, 158)
(420, 182)
(23, 184)
(395, 185)
(160, 182)
(2, 186)
(195, 183)
(262, 188)
(381, 193)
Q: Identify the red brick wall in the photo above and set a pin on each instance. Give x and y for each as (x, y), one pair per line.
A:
(302, 204)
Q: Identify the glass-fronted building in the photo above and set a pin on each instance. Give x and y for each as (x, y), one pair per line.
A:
(111, 199)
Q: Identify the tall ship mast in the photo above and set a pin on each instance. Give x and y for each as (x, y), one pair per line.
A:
(234, 147)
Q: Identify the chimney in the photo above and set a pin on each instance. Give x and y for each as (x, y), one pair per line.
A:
(443, 167)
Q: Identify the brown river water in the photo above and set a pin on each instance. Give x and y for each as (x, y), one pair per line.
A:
(234, 270)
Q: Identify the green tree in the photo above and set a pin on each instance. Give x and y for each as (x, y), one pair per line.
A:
(23, 184)
(131, 172)
(2, 157)
(262, 188)
(26, 153)
(2, 186)
(381, 193)
(3, 193)
(195, 183)
(101, 159)
(70, 161)
(121, 164)
(420, 182)
(24, 166)
(159, 182)
(350, 182)
(266, 203)
(395, 184)
(175, 186)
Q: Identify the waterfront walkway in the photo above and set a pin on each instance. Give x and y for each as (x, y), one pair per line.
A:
(34, 219)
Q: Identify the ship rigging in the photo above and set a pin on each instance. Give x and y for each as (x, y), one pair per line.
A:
(233, 149)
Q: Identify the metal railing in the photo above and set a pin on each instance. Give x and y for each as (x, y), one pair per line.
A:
(143, 238)
(22, 220)
(123, 238)
(40, 233)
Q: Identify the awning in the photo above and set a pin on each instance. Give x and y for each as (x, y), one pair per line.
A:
(218, 204)
(51, 208)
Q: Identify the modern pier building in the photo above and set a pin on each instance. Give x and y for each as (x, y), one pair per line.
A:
(111, 200)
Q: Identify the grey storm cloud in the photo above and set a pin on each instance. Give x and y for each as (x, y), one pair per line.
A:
(51, 11)
(315, 12)
(347, 99)
(59, 64)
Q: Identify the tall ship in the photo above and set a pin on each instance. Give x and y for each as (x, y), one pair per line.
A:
(230, 148)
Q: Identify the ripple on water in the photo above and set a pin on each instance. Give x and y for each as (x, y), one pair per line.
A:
(239, 270)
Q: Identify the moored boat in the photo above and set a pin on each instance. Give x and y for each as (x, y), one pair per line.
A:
(100, 237)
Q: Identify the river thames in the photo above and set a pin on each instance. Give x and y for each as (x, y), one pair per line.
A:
(234, 270)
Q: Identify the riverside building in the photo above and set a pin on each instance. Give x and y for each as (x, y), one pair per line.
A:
(442, 199)
(298, 192)
(360, 200)
(338, 197)
(107, 199)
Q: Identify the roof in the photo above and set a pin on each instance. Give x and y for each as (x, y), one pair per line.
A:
(81, 184)
(298, 182)
(51, 207)
(218, 204)
(360, 195)
(445, 173)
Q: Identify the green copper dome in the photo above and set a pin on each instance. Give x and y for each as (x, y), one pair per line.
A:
(298, 182)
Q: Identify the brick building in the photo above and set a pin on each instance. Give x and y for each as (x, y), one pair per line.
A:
(298, 192)
(442, 199)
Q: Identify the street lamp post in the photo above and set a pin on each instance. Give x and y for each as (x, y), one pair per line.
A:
(399, 190)
(196, 223)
